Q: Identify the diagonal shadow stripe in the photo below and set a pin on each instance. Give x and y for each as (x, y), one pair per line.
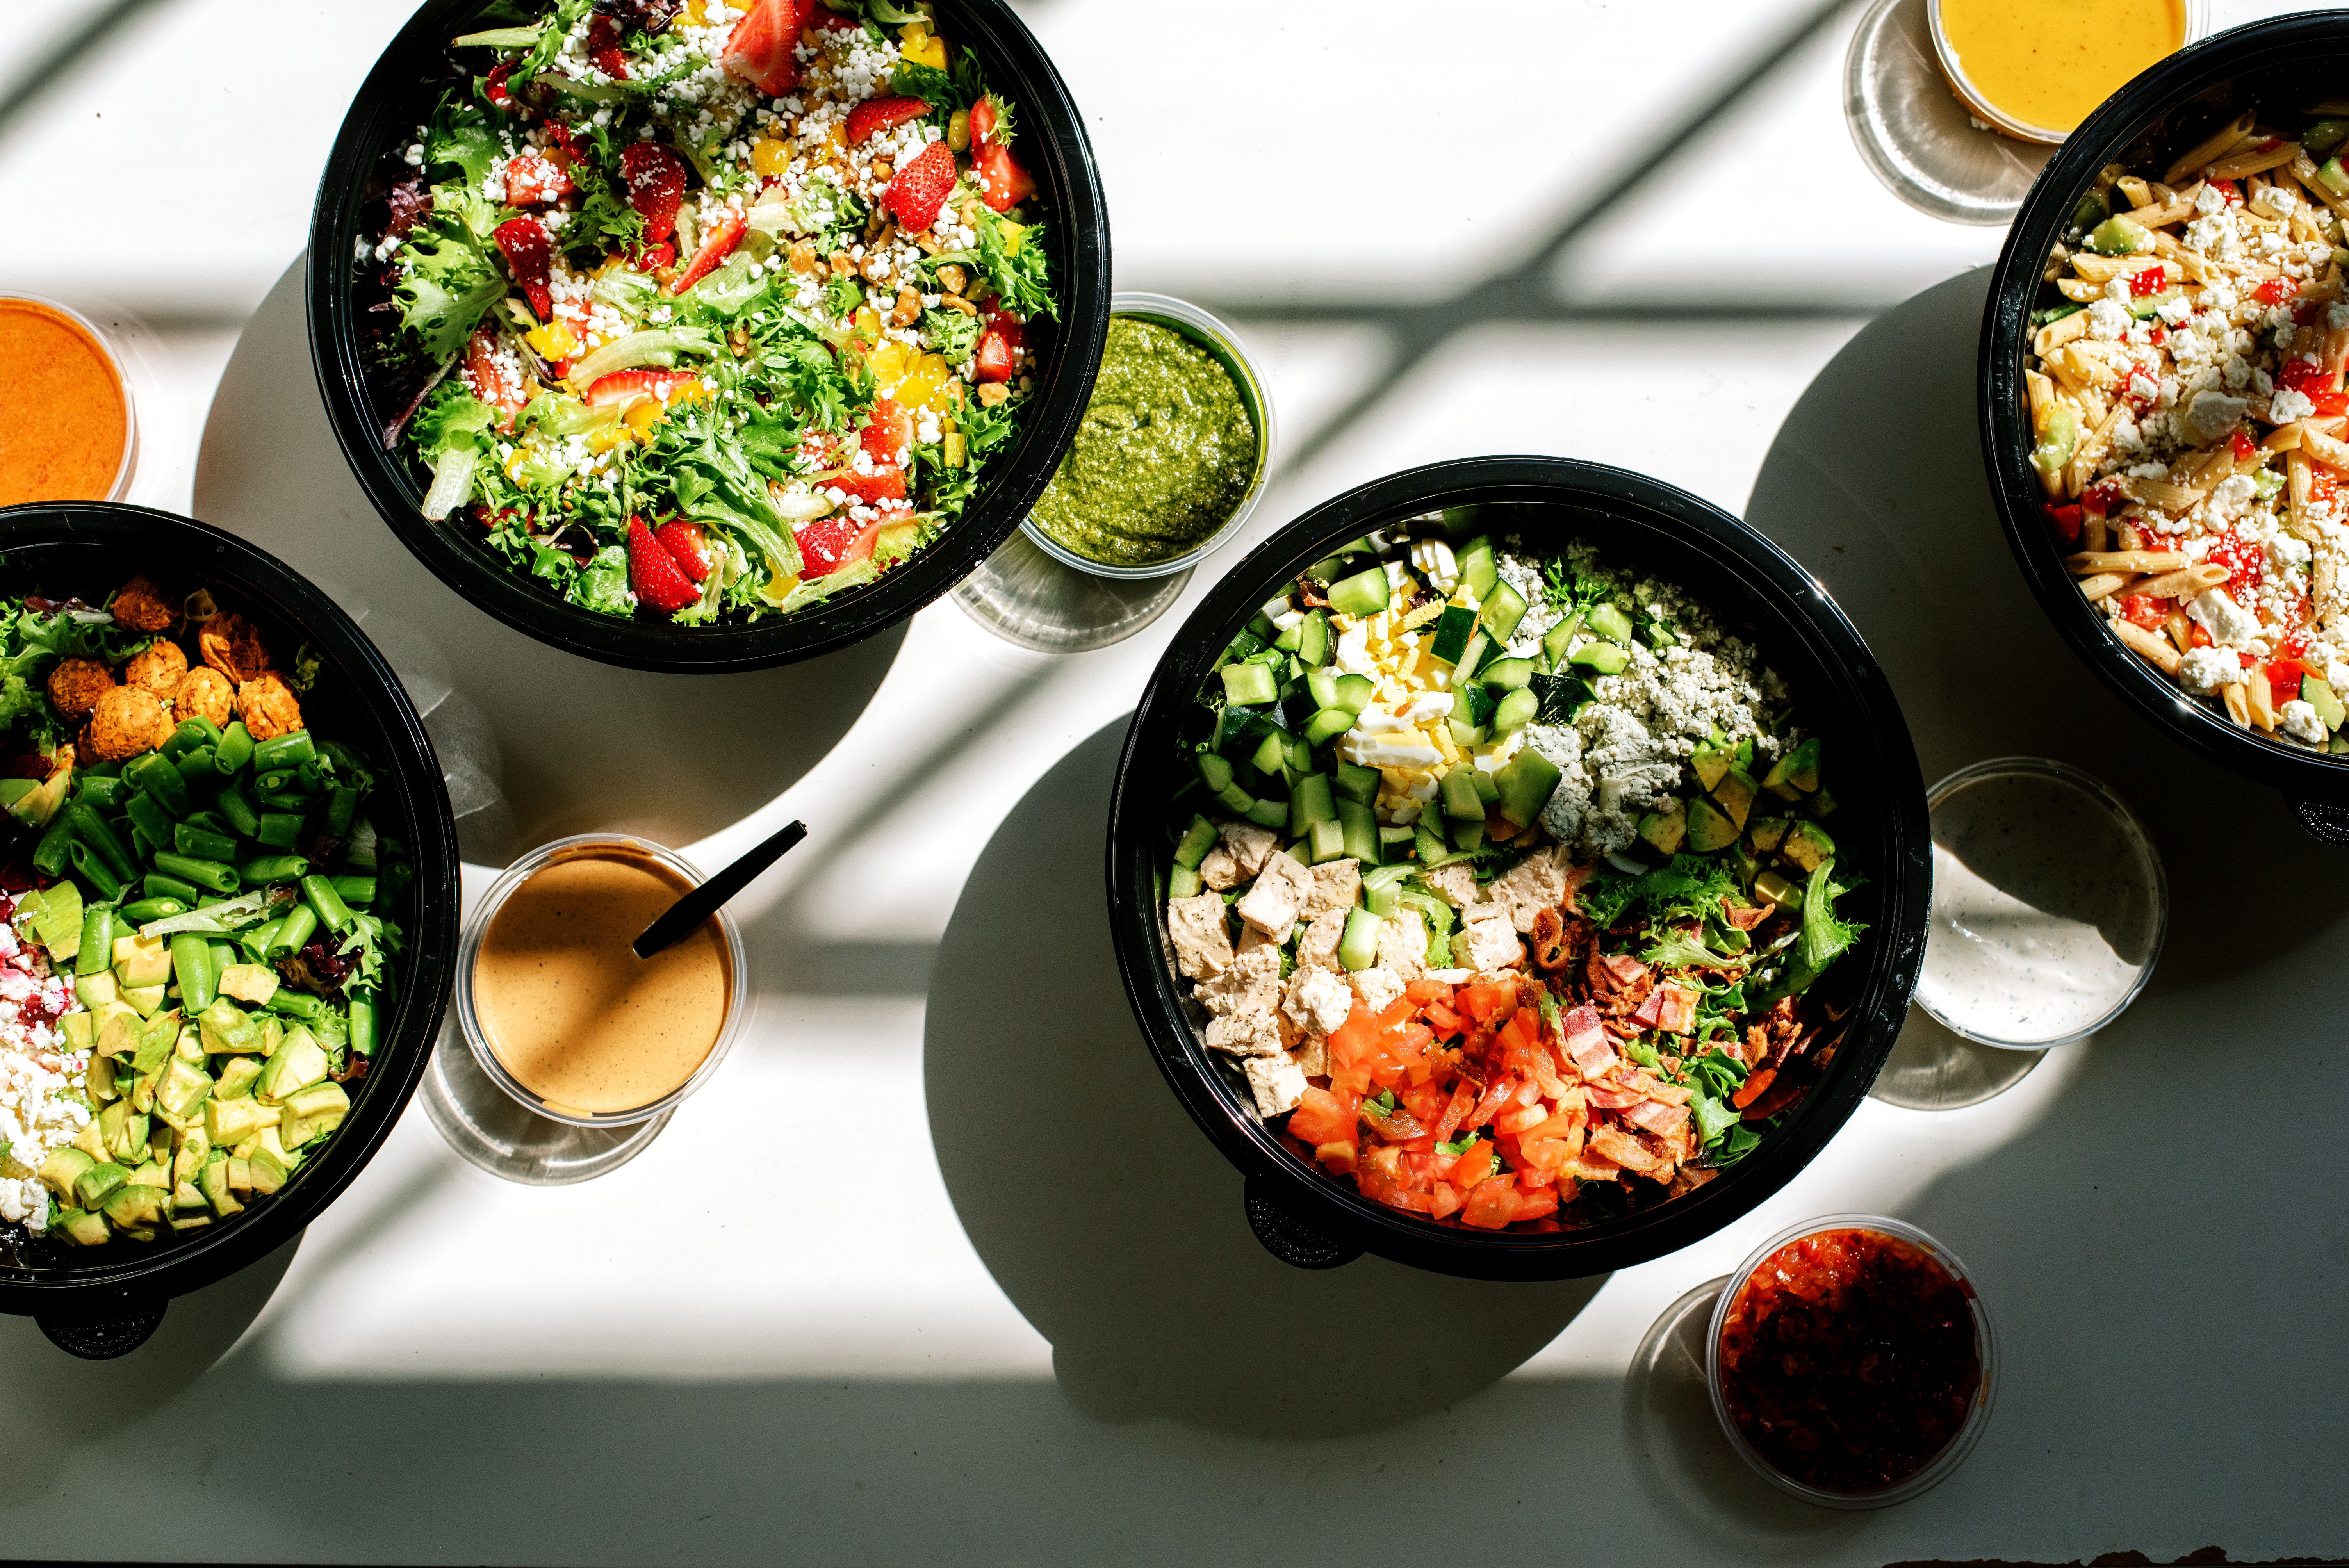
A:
(62, 56)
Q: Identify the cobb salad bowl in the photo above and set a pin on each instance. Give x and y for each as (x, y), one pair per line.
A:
(373, 416)
(2170, 121)
(1301, 1202)
(100, 1300)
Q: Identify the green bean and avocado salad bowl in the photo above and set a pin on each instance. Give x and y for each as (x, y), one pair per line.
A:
(222, 836)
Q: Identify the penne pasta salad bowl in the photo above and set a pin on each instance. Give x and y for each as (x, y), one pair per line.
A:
(1519, 869)
(2163, 405)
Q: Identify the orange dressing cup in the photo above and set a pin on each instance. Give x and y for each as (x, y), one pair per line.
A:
(2193, 23)
(68, 422)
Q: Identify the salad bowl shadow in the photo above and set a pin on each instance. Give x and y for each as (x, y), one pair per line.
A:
(2283, 64)
(1311, 1220)
(101, 1302)
(395, 96)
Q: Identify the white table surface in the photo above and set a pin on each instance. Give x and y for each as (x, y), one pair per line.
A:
(936, 1268)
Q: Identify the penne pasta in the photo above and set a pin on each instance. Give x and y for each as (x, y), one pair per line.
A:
(2183, 584)
(2212, 148)
(2154, 648)
(2124, 560)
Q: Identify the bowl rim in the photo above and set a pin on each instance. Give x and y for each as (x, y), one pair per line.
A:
(1934, 1470)
(1899, 863)
(2014, 286)
(1078, 225)
(139, 1279)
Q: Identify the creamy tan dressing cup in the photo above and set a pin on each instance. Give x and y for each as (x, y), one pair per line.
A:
(564, 1017)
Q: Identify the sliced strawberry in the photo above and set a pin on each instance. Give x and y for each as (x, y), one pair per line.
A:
(627, 386)
(654, 573)
(495, 89)
(493, 378)
(829, 543)
(882, 484)
(1002, 183)
(566, 151)
(984, 118)
(888, 433)
(764, 47)
(722, 232)
(604, 50)
(655, 178)
(529, 253)
(683, 539)
(998, 347)
(875, 116)
(824, 17)
(920, 189)
(535, 181)
(657, 258)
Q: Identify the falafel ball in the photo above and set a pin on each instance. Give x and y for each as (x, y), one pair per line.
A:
(142, 607)
(268, 708)
(204, 693)
(233, 645)
(128, 722)
(158, 669)
(76, 684)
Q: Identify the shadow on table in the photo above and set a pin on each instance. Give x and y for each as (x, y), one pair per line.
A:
(536, 742)
(55, 1398)
(1107, 1217)
(1895, 516)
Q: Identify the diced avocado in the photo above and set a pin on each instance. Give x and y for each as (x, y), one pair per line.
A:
(82, 1227)
(1504, 608)
(1778, 784)
(193, 1152)
(1708, 829)
(1357, 948)
(1478, 570)
(135, 1206)
(190, 1219)
(142, 961)
(1459, 794)
(316, 1110)
(1777, 892)
(1767, 832)
(187, 1197)
(2320, 697)
(1357, 831)
(265, 1170)
(115, 1130)
(141, 1096)
(300, 1062)
(1664, 830)
(157, 1036)
(1802, 766)
(212, 1182)
(232, 1121)
(57, 921)
(189, 1044)
(1712, 763)
(237, 1079)
(93, 1186)
(1740, 857)
(90, 1140)
(1606, 658)
(226, 1028)
(255, 984)
(144, 1000)
(37, 807)
(1734, 794)
(183, 1088)
(1453, 631)
(98, 1079)
(159, 1139)
(240, 1172)
(63, 1168)
(95, 991)
(1197, 839)
(1807, 845)
(1526, 782)
(80, 1030)
(1823, 804)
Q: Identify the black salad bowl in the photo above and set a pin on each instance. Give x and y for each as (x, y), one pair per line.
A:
(103, 1301)
(2281, 67)
(395, 98)
(1311, 1219)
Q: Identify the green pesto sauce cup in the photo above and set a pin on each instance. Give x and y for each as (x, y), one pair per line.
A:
(1220, 340)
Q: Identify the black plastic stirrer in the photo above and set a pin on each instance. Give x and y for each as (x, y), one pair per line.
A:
(702, 902)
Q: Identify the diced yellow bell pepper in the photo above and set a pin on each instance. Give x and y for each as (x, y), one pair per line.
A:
(555, 340)
(924, 48)
(890, 364)
(1012, 234)
(770, 158)
(643, 415)
(609, 437)
(866, 323)
(924, 385)
(695, 14)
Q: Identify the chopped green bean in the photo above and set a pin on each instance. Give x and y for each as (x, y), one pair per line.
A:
(158, 885)
(191, 962)
(190, 839)
(283, 751)
(293, 932)
(156, 777)
(301, 1004)
(92, 830)
(96, 952)
(203, 874)
(191, 733)
(150, 908)
(280, 830)
(342, 805)
(358, 892)
(195, 767)
(363, 1023)
(92, 867)
(52, 854)
(100, 792)
(150, 817)
(266, 869)
(239, 810)
(320, 893)
(234, 748)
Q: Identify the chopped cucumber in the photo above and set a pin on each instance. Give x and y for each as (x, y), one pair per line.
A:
(1464, 734)
(1310, 802)
(1313, 639)
(1325, 841)
(1526, 782)
(1287, 641)
(1487, 790)
(1516, 711)
(1328, 725)
(1271, 758)
(1355, 692)
(2336, 178)
(1606, 658)
(1507, 675)
(2320, 697)
(1427, 841)
(1361, 832)
(1473, 657)
(1356, 782)
(1469, 834)
(1357, 948)
(1267, 813)
(1556, 641)
(1453, 630)
(1560, 695)
(2120, 236)
(1182, 882)
(1249, 686)
(1478, 570)
(2323, 137)
(1478, 701)
(1458, 791)
(1363, 594)
(1321, 687)
(1504, 608)
(1609, 622)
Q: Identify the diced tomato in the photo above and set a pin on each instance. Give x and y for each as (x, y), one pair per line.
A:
(1464, 1101)
(2243, 446)
(2102, 499)
(1497, 1094)
(1486, 1003)
(1473, 1165)
(1323, 1116)
(1492, 1206)
(2284, 681)
(2196, 637)
(2245, 560)
(1424, 991)
(2149, 280)
(2157, 335)
(2227, 190)
(1444, 1020)
(1751, 1090)
(2331, 405)
(2305, 375)
(2275, 291)
(1445, 1202)
(1533, 1205)
(1517, 1119)
(2145, 609)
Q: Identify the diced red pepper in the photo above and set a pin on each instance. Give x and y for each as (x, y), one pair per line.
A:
(2243, 446)
(2275, 291)
(2284, 681)
(2144, 610)
(2151, 281)
(2066, 520)
(2101, 498)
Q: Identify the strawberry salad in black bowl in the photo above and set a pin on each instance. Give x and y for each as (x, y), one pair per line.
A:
(705, 316)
